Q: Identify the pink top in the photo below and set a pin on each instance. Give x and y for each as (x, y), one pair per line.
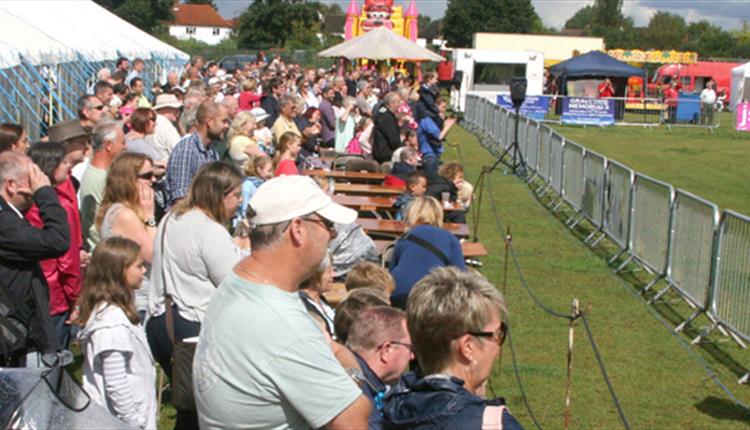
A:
(286, 167)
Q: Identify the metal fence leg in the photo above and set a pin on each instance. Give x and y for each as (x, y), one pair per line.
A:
(624, 263)
(592, 235)
(660, 293)
(704, 333)
(650, 284)
(744, 379)
(682, 325)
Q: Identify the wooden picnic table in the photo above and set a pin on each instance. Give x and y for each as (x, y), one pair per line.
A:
(470, 249)
(367, 189)
(349, 176)
(365, 203)
(399, 227)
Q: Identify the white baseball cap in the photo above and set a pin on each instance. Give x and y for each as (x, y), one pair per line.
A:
(287, 197)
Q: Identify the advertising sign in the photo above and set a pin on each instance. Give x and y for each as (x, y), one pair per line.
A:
(534, 107)
(584, 111)
(743, 117)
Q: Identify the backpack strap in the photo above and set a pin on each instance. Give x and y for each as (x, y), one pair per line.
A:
(428, 246)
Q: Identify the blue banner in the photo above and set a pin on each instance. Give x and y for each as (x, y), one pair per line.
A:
(583, 111)
(534, 107)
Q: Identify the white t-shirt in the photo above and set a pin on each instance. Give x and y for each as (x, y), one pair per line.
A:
(165, 137)
(708, 96)
(263, 363)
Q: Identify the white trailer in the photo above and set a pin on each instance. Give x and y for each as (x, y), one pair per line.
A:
(488, 73)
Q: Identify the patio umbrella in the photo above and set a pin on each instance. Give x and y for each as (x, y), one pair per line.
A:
(381, 44)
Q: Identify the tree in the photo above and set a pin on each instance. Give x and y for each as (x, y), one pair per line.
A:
(665, 31)
(710, 41)
(423, 21)
(608, 13)
(463, 18)
(147, 15)
(208, 2)
(582, 20)
(269, 23)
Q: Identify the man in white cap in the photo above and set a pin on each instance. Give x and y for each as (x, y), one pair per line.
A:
(262, 361)
(165, 135)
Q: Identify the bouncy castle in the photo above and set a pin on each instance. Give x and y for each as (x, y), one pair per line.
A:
(381, 13)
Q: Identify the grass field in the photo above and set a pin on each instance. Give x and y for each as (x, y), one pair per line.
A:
(659, 381)
(713, 165)
(660, 384)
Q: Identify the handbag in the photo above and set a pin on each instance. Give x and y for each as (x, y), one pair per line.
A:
(182, 352)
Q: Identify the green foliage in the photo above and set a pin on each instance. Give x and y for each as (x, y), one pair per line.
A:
(269, 23)
(148, 15)
(582, 20)
(608, 13)
(463, 18)
(423, 21)
(665, 31)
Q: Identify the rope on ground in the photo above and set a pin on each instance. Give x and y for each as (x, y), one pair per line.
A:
(599, 360)
(554, 313)
(517, 373)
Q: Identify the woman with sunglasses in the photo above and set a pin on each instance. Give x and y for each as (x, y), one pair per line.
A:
(127, 210)
(455, 319)
(193, 253)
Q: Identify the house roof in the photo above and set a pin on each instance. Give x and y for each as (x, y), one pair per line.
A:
(198, 15)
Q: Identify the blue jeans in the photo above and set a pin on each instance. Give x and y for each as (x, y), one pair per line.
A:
(62, 330)
(430, 164)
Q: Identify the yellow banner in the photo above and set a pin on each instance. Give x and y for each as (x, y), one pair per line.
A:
(638, 56)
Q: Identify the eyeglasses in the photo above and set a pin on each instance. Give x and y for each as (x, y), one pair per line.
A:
(147, 175)
(404, 344)
(327, 224)
(100, 107)
(498, 335)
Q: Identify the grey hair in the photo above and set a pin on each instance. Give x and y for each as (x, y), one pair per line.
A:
(266, 236)
(105, 131)
(390, 97)
(407, 153)
(374, 326)
(12, 166)
(287, 100)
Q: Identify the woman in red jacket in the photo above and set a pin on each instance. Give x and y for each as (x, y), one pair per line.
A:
(63, 274)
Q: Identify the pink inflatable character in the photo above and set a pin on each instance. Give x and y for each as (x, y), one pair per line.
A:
(378, 14)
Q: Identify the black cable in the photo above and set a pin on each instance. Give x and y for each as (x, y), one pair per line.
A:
(604, 372)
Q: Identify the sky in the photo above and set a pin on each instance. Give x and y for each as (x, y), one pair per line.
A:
(727, 14)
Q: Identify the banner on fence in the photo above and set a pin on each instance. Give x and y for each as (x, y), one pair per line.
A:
(743, 117)
(584, 111)
(534, 107)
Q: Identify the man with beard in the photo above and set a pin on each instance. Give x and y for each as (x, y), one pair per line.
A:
(196, 149)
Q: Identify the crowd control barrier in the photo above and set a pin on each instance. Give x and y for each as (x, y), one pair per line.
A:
(701, 253)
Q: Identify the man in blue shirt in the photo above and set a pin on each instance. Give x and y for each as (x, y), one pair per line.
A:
(381, 344)
(195, 150)
(431, 133)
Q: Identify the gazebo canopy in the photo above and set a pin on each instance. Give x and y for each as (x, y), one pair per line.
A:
(381, 44)
(592, 65)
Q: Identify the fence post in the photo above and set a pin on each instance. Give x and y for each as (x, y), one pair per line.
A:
(569, 379)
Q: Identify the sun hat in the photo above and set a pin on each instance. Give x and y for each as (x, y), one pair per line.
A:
(259, 113)
(66, 130)
(287, 197)
(167, 101)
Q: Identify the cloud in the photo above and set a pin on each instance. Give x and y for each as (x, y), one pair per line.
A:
(727, 14)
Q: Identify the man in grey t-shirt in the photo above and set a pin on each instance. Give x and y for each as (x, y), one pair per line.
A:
(261, 361)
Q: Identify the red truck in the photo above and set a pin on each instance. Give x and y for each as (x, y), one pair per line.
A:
(691, 78)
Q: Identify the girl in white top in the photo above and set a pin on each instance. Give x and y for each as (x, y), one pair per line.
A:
(118, 371)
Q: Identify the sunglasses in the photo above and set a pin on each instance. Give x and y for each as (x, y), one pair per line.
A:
(498, 335)
(100, 107)
(327, 224)
(147, 176)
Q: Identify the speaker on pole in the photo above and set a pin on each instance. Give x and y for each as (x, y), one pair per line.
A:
(518, 91)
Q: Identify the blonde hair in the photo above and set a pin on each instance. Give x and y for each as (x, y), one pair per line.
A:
(285, 141)
(445, 305)
(424, 210)
(209, 186)
(370, 275)
(238, 125)
(255, 164)
(249, 85)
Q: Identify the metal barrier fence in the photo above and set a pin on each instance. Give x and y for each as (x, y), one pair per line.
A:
(731, 295)
(702, 253)
(649, 224)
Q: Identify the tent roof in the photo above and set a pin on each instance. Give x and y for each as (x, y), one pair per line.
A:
(742, 69)
(594, 63)
(48, 31)
(381, 44)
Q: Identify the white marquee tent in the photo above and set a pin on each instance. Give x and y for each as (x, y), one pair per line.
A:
(50, 51)
(740, 84)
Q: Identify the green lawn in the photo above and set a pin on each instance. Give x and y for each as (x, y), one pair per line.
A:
(713, 165)
(659, 383)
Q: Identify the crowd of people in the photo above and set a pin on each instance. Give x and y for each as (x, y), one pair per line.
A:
(180, 215)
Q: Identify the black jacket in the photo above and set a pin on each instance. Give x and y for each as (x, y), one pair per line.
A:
(270, 104)
(386, 135)
(436, 186)
(22, 246)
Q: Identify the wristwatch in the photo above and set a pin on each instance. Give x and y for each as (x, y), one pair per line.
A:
(150, 222)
